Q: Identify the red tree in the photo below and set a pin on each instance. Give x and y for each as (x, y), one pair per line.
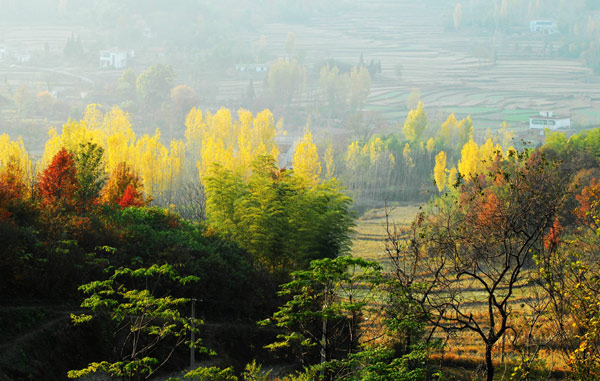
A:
(588, 211)
(58, 184)
(131, 197)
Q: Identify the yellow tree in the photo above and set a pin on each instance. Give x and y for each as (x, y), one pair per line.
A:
(306, 162)
(353, 156)
(430, 145)
(285, 80)
(233, 144)
(116, 124)
(415, 124)
(465, 131)
(490, 152)
(439, 172)
(452, 177)
(407, 153)
(470, 164)
(360, 87)
(448, 129)
(13, 153)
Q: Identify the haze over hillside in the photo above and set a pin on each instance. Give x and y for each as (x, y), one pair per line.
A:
(299, 190)
(485, 62)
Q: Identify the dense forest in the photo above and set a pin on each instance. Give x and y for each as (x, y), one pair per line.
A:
(93, 229)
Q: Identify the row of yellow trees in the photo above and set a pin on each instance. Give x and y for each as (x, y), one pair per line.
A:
(234, 143)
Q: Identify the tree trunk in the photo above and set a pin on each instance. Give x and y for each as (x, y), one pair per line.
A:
(489, 365)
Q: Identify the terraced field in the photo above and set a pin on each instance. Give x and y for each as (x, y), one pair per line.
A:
(413, 38)
(418, 50)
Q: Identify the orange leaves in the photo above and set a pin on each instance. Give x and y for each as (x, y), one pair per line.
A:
(588, 211)
(123, 188)
(552, 239)
(58, 183)
(489, 210)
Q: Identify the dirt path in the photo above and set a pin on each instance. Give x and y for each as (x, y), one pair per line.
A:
(15, 343)
(12, 343)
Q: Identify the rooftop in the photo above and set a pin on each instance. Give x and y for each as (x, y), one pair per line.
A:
(553, 117)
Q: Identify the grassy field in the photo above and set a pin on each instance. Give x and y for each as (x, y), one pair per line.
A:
(464, 349)
(369, 241)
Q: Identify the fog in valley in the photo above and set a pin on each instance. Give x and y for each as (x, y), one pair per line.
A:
(477, 58)
(252, 157)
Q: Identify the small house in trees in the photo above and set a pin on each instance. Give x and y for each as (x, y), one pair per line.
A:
(252, 68)
(114, 58)
(547, 120)
(543, 26)
(251, 71)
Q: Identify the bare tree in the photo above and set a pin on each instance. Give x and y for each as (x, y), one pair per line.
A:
(469, 252)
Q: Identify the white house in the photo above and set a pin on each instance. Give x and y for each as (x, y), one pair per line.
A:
(113, 58)
(547, 119)
(543, 26)
(252, 68)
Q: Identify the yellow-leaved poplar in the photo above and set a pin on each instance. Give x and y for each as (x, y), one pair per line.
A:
(469, 164)
(306, 161)
(439, 172)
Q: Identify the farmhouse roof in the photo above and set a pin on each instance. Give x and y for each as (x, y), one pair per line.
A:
(553, 117)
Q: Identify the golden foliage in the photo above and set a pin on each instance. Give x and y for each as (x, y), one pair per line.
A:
(439, 171)
(233, 144)
(13, 153)
(160, 167)
(306, 162)
(415, 124)
(469, 164)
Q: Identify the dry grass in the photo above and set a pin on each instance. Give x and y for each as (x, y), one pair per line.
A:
(369, 240)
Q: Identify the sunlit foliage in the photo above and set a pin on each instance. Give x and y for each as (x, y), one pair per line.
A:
(234, 144)
(274, 215)
(160, 168)
(440, 171)
(306, 162)
(14, 152)
(416, 123)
